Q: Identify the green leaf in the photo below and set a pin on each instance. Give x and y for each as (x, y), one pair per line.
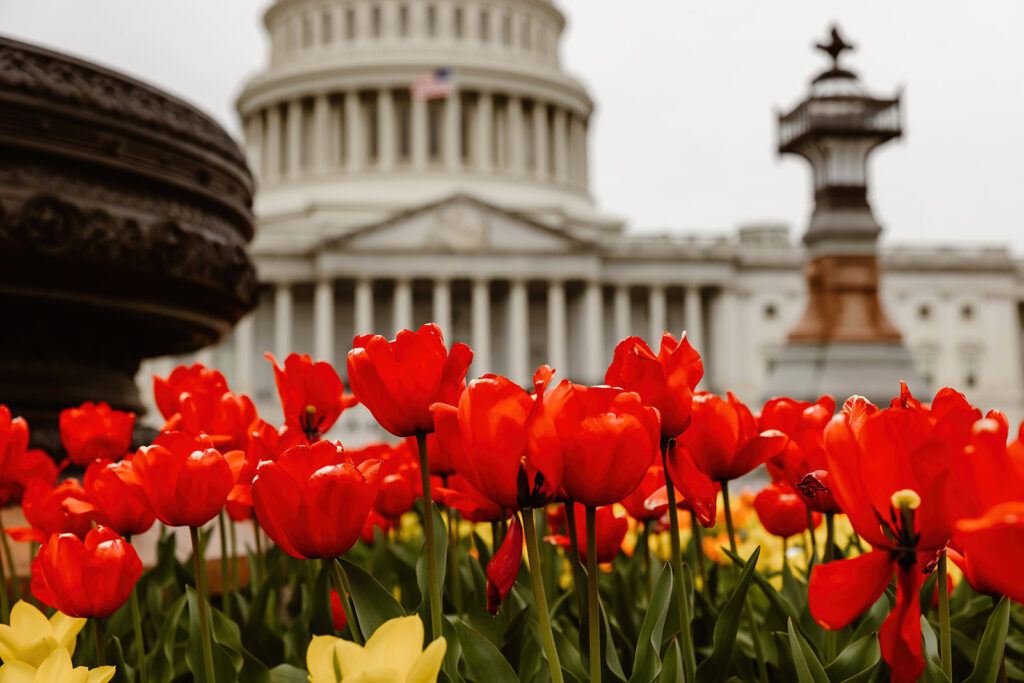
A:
(808, 668)
(482, 660)
(933, 672)
(779, 600)
(372, 602)
(224, 661)
(859, 657)
(647, 661)
(286, 673)
(716, 667)
(611, 655)
(993, 641)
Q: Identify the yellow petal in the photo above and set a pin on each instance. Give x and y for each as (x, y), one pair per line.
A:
(397, 643)
(375, 675)
(428, 664)
(56, 668)
(320, 659)
(352, 658)
(65, 630)
(17, 672)
(101, 674)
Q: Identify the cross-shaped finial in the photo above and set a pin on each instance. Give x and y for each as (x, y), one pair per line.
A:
(835, 47)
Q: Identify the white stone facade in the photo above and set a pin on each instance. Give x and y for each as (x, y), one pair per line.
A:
(377, 211)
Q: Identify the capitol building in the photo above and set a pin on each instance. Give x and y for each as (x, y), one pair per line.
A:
(427, 160)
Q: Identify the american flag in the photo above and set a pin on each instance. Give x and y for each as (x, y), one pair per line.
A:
(433, 85)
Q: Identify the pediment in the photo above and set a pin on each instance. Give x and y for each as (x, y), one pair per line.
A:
(459, 224)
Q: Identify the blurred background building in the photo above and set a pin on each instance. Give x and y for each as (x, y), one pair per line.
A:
(427, 161)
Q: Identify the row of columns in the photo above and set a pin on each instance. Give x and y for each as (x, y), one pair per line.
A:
(592, 335)
(280, 147)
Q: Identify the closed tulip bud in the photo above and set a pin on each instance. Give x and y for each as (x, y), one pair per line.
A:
(90, 578)
(108, 486)
(782, 512)
(94, 430)
(49, 510)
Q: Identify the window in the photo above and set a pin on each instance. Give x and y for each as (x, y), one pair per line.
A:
(970, 359)
(375, 22)
(924, 311)
(431, 20)
(967, 312)
(927, 358)
(770, 312)
(326, 27)
(457, 20)
(506, 30)
(402, 109)
(403, 20)
(485, 26)
(350, 24)
(525, 37)
(307, 31)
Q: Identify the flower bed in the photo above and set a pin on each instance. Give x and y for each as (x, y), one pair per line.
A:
(567, 533)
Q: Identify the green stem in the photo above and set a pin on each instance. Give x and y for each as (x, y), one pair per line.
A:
(644, 545)
(340, 580)
(812, 556)
(537, 579)
(830, 537)
(225, 582)
(140, 643)
(570, 528)
(728, 516)
(261, 564)
(697, 534)
(453, 560)
(15, 579)
(762, 667)
(234, 555)
(428, 532)
(5, 597)
(676, 562)
(785, 561)
(203, 597)
(593, 596)
(946, 640)
(97, 631)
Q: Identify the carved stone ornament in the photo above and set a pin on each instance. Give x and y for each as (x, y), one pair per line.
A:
(124, 219)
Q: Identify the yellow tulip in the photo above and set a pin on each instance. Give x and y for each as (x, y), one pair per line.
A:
(56, 668)
(393, 654)
(31, 637)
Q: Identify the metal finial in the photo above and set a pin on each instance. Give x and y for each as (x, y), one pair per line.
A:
(835, 47)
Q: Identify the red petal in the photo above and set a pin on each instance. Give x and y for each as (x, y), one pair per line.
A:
(503, 568)
(841, 591)
(900, 635)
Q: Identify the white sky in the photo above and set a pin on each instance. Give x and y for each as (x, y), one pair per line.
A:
(683, 136)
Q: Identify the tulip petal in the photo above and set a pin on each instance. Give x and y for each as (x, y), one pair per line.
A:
(841, 591)
(900, 635)
(396, 643)
(17, 672)
(427, 666)
(503, 568)
(320, 659)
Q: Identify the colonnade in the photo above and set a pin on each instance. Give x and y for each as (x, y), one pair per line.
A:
(577, 339)
(384, 130)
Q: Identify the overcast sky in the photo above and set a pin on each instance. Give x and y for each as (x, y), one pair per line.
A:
(683, 135)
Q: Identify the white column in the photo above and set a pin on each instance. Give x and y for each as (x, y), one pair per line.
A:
(254, 144)
(561, 144)
(584, 156)
(540, 139)
(519, 332)
(294, 138)
(577, 143)
(622, 312)
(282, 321)
(482, 143)
(442, 309)
(418, 113)
(558, 356)
(656, 315)
(323, 321)
(692, 315)
(401, 307)
(385, 130)
(364, 306)
(517, 157)
(272, 153)
(481, 323)
(244, 343)
(452, 120)
(724, 359)
(322, 142)
(205, 356)
(354, 143)
(593, 337)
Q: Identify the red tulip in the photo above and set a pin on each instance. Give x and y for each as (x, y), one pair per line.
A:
(196, 400)
(502, 440)
(108, 486)
(609, 440)
(652, 481)
(503, 568)
(440, 460)
(49, 510)
(723, 438)
(694, 489)
(665, 381)
(399, 380)
(610, 530)
(337, 611)
(802, 463)
(472, 505)
(183, 479)
(18, 464)
(782, 512)
(86, 579)
(888, 470)
(312, 501)
(312, 395)
(375, 521)
(93, 431)
(993, 550)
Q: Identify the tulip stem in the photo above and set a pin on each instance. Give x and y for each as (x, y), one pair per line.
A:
(203, 601)
(676, 562)
(453, 560)
(537, 579)
(830, 537)
(813, 554)
(644, 544)
(728, 516)
(261, 564)
(15, 580)
(140, 643)
(698, 549)
(762, 667)
(946, 642)
(428, 532)
(225, 572)
(340, 580)
(234, 555)
(593, 596)
(97, 631)
(5, 598)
